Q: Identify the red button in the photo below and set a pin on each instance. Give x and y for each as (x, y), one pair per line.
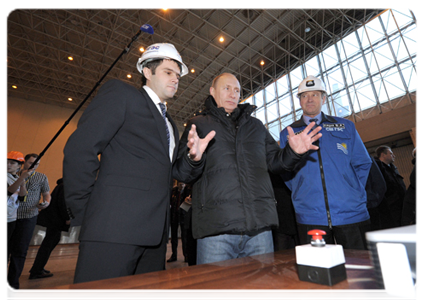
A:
(316, 234)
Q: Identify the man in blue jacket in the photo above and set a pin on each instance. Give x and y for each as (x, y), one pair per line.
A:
(328, 186)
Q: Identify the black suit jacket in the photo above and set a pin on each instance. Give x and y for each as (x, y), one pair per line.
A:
(121, 196)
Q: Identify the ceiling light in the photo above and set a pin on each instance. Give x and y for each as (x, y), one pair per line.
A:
(70, 99)
(142, 49)
(221, 39)
(14, 86)
(192, 71)
(70, 57)
(262, 63)
(129, 76)
(307, 29)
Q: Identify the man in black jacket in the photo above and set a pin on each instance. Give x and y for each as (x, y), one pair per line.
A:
(394, 196)
(226, 153)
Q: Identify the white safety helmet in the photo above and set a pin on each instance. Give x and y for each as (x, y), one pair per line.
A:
(311, 83)
(161, 51)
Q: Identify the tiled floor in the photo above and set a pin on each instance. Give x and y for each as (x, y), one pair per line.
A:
(62, 264)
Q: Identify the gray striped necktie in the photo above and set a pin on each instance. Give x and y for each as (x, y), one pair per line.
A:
(163, 108)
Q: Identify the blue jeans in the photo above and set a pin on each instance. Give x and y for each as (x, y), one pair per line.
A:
(229, 246)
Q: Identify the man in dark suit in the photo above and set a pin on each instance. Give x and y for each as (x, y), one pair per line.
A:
(117, 171)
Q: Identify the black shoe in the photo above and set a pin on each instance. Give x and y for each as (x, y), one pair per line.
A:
(172, 259)
(46, 271)
(40, 275)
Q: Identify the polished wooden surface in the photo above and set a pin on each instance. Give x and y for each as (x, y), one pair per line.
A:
(268, 276)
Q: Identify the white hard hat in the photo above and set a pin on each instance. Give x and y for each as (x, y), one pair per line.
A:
(161, 51)
(311, 83)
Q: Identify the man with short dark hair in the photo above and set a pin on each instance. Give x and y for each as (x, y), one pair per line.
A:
(328, 186)
(395, 192)
(37, 186)
(123, 202)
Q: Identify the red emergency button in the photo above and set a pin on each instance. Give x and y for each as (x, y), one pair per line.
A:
(317, 237)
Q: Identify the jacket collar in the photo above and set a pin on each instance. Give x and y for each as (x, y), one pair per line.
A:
(325, 118)
(242, 111)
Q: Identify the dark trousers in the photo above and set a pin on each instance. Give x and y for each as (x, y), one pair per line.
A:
(351, 236)
(50, 241)
(103, 260)
(10, 228)
(19, 244)
(178, 219)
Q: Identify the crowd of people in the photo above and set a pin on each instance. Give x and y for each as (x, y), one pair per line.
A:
(226, 183)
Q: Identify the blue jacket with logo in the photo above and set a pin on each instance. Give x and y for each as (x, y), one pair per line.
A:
(328, 185)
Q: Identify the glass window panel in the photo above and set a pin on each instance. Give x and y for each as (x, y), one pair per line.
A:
(326, 106)
(393, 83)
(286, 121)
(274, 130)
(388, 22)
(374, 30)
(270, 93)
(341, 105)
(298, 114)
(272, 111)
(358, 69)
(398, 47)
(409, 76)
(410, 39)
(354, 100)
(285, 106)
(260, 115)
(312, 67)
(282, 86)
(296, 77)
(329, 57)
(380, 89)
(371, 63)
(383, 56)
(258, 99)
(402, 16)
(351, 45)
(362, 35)
(365, 95)
(335, 81)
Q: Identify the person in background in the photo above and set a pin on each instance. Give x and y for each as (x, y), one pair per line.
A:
(395, 192)
(123, 202)
(56, 219)
(328, 185)
(376, 189)
(409, 207)
(226, 154)
(38, 198)
(16, 190)
(177, 219)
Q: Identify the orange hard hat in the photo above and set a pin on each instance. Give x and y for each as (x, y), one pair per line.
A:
(16, 155)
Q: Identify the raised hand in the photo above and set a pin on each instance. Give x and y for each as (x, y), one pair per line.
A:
(303, 142)
(196, 145)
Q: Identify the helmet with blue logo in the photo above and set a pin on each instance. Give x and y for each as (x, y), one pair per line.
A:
(161, 51)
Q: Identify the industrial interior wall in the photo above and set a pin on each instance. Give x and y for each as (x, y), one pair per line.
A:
(30, 127)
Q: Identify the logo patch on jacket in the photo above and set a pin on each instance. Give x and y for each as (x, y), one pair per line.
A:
(334, 127)
(342, 147)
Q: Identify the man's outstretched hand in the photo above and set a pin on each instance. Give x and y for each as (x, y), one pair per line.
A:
(196, 145)
(303, 142)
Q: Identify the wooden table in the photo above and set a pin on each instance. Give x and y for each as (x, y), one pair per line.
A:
(268, 271)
